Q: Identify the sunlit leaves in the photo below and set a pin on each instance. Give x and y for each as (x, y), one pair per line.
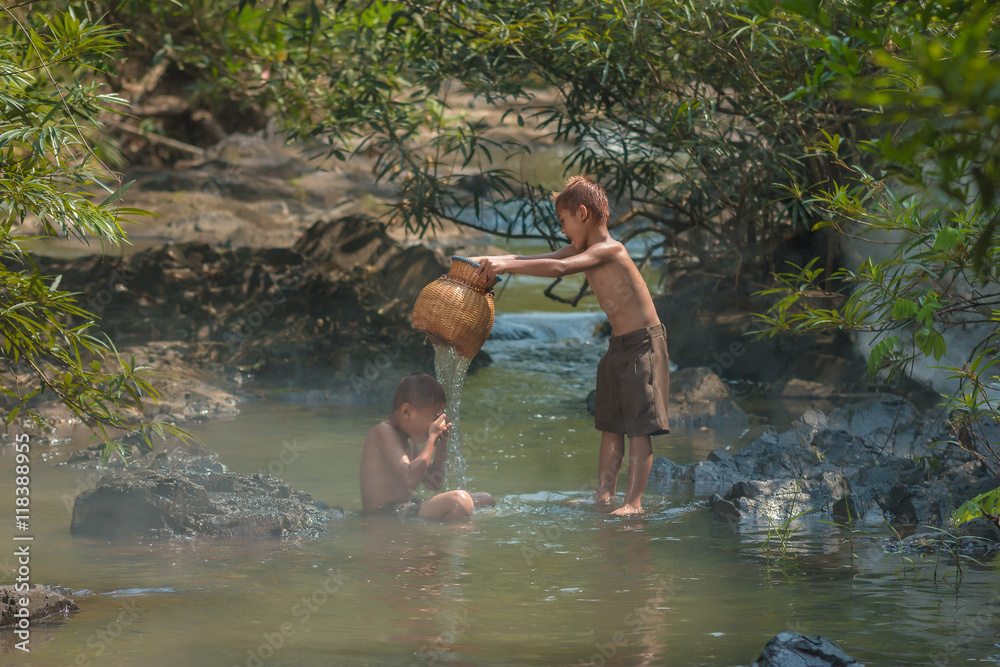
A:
(48, 173)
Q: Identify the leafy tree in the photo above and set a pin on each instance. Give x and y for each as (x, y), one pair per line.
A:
(690, 112)
(685, 110)
(933, 194)
(49, 103)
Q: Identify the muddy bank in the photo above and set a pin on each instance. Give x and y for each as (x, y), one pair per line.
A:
(329, 313)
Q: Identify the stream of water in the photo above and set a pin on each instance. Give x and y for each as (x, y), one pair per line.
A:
(450, 368)
(536, 580)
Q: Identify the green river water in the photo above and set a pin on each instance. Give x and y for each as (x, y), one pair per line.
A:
(536, 580)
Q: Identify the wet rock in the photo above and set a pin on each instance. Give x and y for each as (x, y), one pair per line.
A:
(873, 420)
(808, 425)
(185, 496)
(848, 509)
(792, 649)
(838, 466)
(724, 507)
(743, 490)
(665, 473)
(721, 456)
(981, 528)
(44, 602)
(698, 397)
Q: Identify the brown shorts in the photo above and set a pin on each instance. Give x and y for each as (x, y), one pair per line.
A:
(633, 384)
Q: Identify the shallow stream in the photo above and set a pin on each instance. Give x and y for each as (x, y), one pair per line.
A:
(538, 579)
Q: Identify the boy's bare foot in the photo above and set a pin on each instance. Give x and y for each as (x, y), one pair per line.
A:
(627, 510)
(603, 498)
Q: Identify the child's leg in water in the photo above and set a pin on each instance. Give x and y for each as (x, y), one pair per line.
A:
(608, 464)
(640, 462)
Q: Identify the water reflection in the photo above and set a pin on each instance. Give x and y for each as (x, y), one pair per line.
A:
(415, 573)
(627, 572)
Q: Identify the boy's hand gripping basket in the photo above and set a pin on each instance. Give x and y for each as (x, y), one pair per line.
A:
(457, 308)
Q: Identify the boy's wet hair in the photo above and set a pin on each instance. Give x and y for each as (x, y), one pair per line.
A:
(583, 190)
(419, 390)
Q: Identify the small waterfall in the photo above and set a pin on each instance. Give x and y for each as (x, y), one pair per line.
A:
(450, 368)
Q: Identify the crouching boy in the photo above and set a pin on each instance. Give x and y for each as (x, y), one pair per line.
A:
(394, 463)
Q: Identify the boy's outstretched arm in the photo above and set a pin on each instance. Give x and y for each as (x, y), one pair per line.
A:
(562, 262)
(561, 253)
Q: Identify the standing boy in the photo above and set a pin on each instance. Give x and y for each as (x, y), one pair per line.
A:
(391, 470)
(633, 377)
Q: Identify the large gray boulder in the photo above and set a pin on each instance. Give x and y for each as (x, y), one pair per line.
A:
(187, 496)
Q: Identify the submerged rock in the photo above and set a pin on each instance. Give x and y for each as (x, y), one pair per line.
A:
(792, 649)
(43, 602)
(187, 496)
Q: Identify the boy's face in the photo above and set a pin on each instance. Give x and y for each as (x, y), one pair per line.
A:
(419, 420)
(574, 224)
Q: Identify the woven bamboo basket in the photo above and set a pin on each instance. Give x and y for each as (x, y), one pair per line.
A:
(457, 308)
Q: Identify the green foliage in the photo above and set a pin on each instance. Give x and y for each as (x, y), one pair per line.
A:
(49, 110)
(985, 505)
(929, 205)
(691, 112)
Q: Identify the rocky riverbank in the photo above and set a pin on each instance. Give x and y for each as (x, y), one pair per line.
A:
(872, 460)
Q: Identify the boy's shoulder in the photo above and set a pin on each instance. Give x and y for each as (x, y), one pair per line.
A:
(379, 432)
(383, 434)
(612, 250)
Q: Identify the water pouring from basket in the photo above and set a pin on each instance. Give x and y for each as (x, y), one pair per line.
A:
(456, 312)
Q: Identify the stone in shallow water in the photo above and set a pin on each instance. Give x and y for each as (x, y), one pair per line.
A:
(792, 649)
(168, 503)
(43, 602)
